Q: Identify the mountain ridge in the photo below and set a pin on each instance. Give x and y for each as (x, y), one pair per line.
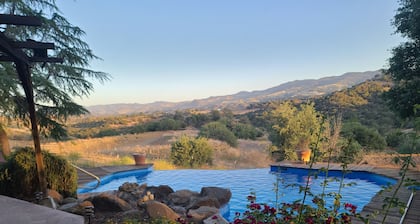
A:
(240, 100)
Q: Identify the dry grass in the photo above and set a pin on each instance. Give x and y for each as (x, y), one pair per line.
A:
(248, 154)
(163, 165)
(385, 160)
(117, 150)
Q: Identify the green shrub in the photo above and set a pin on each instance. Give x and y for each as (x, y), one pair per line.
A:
(246, 131)
(409, 144)
(19, 177)
(137, 129)
(191, 152)
(197, 120)
(164, 125)
(351, 152)
(107, 132)
(219, 131)
(369, 138)
(394, 138)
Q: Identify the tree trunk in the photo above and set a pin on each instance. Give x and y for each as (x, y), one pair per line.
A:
(25, 77)
(4, 142)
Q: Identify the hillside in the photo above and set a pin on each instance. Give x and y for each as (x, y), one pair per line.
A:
(240, 101)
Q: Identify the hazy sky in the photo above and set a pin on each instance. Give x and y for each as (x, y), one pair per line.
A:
(176, 50)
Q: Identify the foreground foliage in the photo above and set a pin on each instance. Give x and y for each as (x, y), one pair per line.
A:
(293, 213)
(18, 177)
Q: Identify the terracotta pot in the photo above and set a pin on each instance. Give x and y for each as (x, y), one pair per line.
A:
(305, 155)
(139, 158)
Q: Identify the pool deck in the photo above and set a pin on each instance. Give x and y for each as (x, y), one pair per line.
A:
(413, 214)
(18, 211)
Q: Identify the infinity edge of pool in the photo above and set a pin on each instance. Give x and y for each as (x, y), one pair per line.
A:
(373, 178)
(378, 179)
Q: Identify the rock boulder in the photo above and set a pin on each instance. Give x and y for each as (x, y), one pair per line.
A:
(223, 195)
(106, 202)
(159, 210)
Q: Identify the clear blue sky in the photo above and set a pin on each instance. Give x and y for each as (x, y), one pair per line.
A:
(176, 50)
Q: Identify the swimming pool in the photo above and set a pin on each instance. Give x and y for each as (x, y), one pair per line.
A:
(242, 182)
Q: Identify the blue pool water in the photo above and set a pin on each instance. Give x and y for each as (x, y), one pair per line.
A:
(260, 181)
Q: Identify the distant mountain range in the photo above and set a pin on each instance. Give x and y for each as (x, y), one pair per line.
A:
(239, 101)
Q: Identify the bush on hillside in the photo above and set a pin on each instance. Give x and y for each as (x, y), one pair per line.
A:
(351, 152)
(219, 131)
(107, 132)
(246, 131)
(191, 152)
(369, 138)
(164, 125)
(197, 120)
(394, 138)
(410, 143)
(19, 177)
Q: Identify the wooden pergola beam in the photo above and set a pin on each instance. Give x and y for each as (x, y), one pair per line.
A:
(9, 50)
(33, 59)
(20, 20)
(31, 44)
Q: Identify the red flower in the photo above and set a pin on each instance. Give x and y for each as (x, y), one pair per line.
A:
(345, 218)
(237, 221)
(272, 211)
(181, 220)
(330, 220)
(267, 209)
(251, 198)
(287, 218)
(255, 206)
(352, 208)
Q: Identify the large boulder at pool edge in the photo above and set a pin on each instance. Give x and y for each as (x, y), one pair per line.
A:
(107, 202)
(201, 213)
(148, 202)
(157, 210)
(182, 197)
(223, 195)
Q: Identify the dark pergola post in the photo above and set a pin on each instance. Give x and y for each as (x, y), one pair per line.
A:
(13, 53)
(24, 73)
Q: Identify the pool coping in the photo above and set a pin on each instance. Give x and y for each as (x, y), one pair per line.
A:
(103, 171)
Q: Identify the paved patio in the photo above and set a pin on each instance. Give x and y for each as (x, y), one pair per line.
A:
(18, 211)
